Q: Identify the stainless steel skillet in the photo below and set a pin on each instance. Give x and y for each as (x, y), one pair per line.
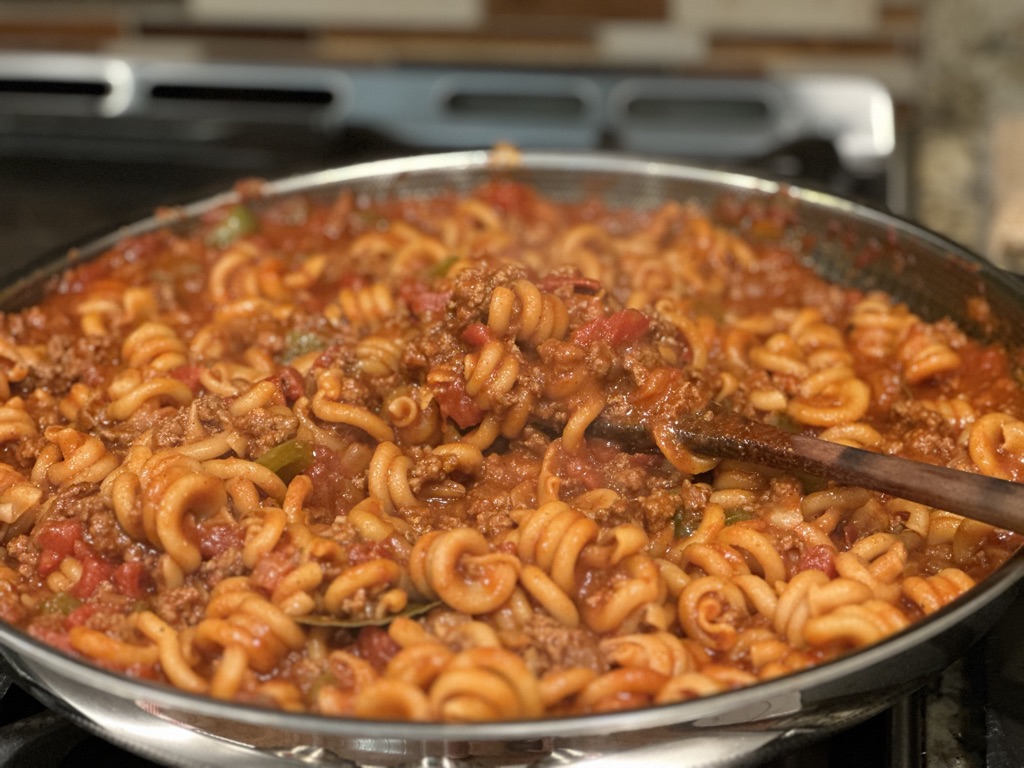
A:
(854, 244)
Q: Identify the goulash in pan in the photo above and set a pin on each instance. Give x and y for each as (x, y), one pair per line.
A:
(334, 457)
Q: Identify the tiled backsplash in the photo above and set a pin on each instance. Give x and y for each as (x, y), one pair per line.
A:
(969, 125)
(874, 36)
(1006, 232)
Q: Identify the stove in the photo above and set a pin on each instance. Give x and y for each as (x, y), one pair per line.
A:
(89, 142)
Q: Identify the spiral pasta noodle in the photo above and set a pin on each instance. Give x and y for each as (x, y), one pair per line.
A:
(342, 456)
(527, 313)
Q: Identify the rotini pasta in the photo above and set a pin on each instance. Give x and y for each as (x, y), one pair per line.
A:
(343, 463)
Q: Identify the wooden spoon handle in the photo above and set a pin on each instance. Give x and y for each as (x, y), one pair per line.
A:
(719, 432)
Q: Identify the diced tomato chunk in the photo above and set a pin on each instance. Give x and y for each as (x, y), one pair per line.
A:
(477, 334)
(131, 579)
(292, 383)
(80, 615)
(289, 383)
(456, 404)
(95, 571)
(217, 539)
(271, 568)
(618, 329)
(422, 300)
(56, 540)
(584, 467)
(330, 482)
(60, 536)
(376, 646)
(189, 376)
(331, 355)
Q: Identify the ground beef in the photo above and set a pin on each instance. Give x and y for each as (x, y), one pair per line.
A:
(694, 495)
(658, 509)
(472, 292)
(23, 554)
(266, 428)
(181, 607)
(105, 534)
(222, 566)
(492, 520)
(112, 615)
(80, 500)
(70, 359)
(207, 415)
(555, 645)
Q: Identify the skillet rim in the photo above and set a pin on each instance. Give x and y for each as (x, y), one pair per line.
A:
(708, 711)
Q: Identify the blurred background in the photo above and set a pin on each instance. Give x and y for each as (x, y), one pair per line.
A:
(108, 107)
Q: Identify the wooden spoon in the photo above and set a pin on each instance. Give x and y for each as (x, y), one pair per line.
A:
(719, 432)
